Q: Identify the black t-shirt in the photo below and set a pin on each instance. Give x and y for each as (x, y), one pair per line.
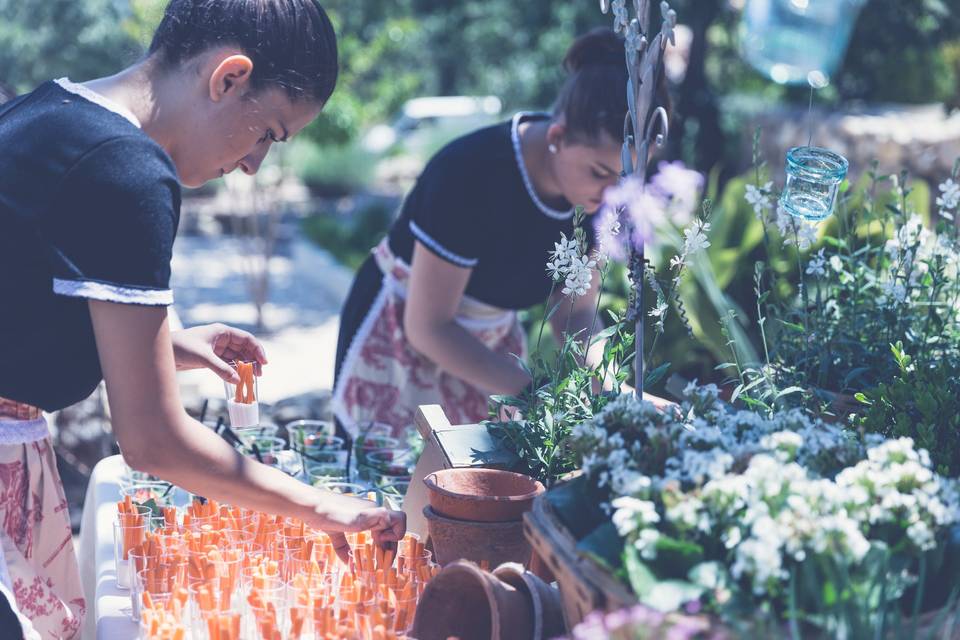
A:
(474, 206)
(89, 208)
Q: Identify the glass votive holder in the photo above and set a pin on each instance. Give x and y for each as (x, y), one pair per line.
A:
(813, 181)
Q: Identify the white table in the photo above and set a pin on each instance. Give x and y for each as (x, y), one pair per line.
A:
(108, 608)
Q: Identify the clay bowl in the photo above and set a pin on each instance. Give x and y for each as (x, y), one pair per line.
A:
(470, 604)
(482, 495)
(544, 600)
(493, 542)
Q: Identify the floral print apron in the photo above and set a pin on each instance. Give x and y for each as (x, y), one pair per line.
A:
(384, 379)
(38, 565)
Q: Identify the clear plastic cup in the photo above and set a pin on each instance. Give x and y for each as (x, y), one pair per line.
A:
(301, 432)
(215, 625)
(251, 434)
(128, 533)
(243, 405)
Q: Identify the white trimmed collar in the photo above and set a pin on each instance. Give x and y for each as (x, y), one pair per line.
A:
(518, 152)
(98, 99)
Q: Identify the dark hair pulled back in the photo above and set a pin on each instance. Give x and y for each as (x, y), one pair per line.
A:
(593, 99)
(291, 43)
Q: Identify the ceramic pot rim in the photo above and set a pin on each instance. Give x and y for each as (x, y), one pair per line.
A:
(431, 481)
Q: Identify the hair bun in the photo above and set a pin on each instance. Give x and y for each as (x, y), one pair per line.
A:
(599, 47)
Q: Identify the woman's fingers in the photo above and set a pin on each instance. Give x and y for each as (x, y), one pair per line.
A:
(236, 344)
(340, 545)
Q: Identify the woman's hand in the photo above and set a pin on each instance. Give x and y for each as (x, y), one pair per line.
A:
(214, 346)
(338, 514)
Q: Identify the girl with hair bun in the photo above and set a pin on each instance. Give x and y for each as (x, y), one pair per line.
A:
(432, 314)
(90, 179)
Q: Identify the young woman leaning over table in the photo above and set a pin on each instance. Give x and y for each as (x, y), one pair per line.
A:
(90, 180)
(432, 314)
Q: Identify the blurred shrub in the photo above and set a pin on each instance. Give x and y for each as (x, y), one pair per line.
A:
(349, 238)
(331, 170)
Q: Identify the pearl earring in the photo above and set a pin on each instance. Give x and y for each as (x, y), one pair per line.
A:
(552, 148)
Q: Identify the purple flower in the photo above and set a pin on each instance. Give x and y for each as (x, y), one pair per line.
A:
(679, 187)
(635, 207)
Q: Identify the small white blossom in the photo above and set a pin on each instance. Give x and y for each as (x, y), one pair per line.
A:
(759, 198)
(949, 198)
(695, 238)
(579, 277)
(816, 265)
(632, 514)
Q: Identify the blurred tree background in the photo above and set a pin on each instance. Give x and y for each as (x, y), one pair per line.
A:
(901, 51)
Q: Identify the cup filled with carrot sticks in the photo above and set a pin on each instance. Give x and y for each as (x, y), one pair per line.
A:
(160, 624)
(129, 531)
(243, 405)
(209, 570)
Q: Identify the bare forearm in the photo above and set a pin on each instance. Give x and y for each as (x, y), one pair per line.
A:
(193, 457)
(458, 352)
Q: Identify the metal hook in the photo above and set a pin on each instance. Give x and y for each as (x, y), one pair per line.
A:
(659, 115)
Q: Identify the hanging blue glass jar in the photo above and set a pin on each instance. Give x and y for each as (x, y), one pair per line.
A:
(813, 181)
(797, 41)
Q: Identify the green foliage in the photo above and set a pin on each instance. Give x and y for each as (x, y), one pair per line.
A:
(922, 402)
(349, 240)
(565, 393)
(40, 40)
(331, 170)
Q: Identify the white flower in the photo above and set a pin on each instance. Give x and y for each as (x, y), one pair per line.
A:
(677, 262)
(658, 310)
(579, 276)
(894, 291)
(949, 198)
(784, 443)
(759, 198)
(695, 238)
(646, 543)
(561, 257)
(632, 514)
(836, 263)
(816, 265)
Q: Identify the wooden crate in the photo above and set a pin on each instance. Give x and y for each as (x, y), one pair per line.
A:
(584, 585)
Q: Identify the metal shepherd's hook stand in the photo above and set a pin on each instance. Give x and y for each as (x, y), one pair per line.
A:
(645, 68)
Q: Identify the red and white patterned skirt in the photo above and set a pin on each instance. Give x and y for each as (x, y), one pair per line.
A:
(384, 379)
(37, 564)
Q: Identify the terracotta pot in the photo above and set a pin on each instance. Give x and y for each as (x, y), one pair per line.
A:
(482, 495)
(544, 600)
(494, 542)
(470, 604)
